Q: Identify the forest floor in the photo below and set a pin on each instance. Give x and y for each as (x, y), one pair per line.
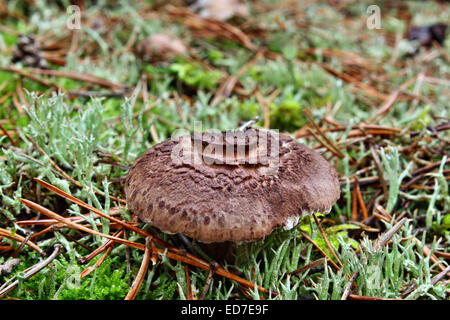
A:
(81, 99)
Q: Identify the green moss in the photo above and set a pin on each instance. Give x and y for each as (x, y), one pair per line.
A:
(287, 116)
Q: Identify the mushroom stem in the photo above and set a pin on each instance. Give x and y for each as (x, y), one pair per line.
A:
(220, 252)
(193, 247)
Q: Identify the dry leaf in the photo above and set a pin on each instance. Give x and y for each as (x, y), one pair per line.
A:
(160, 47)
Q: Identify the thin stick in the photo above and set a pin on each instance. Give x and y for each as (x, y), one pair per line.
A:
(188, 283)
(320, 249)
(103, 247)
(440, 276)
(360, 199)
(49, 222)
(384, 212)
(8, 136)
(427, 252)
(322, 232)
(67, 74)
(6, 248)
(8, 234)
(208, 281)
(329, 143)
(43, 231)
(324, 143)
(349, 285)
(35, 269)
(32, 77)
(381, 242)
(142, 271)
(313, 264)
(445, 255)
(65, 235)
(15, 253)
(354, 206)
(381, 217)
(99, 262)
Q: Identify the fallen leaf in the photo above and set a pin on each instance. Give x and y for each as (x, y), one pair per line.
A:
(160, 47)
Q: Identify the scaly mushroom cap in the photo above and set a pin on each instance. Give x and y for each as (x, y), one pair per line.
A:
(185, 185)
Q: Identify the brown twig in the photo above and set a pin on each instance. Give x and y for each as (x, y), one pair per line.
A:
(19, 249)
(349, 285)
(327, 142)
(427, 252)
(354, 205)
(8, 135)
(9, 234)
(75, 76)
(208, 281)
(31, 76)
(142, 271)
(32, 271)
(89, 269)
(324, 236)
(103, 247)
(74, 225)
(189, 295)
(320, 249)
(310, 265)
(360, 199)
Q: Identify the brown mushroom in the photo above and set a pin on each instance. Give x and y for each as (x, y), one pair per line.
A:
(233, 186)
(160, 47)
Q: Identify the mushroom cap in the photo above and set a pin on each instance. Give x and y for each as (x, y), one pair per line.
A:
(190, 185)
